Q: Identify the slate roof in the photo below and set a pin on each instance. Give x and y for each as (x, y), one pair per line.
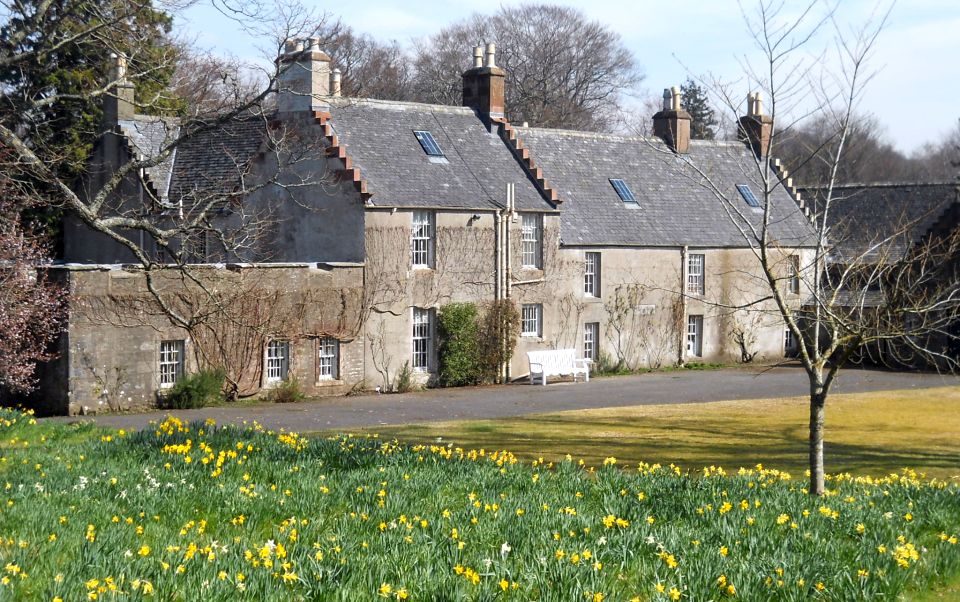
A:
(379, 137)
(865, 215)
(147, 135)
(216, 160)
(675, 207)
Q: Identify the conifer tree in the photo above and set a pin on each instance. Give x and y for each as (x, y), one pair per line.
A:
(704, 122)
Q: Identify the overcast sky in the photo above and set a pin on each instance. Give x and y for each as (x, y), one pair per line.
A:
(915, 93)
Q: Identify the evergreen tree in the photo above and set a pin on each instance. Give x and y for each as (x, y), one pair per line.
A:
(704, 122)
(52, 77)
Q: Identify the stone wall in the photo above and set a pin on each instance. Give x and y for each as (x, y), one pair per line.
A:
(110, 351)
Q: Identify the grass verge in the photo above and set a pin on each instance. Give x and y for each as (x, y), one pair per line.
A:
(867, 433)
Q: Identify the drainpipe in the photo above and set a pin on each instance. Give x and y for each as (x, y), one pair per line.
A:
(511, 191)
(681, 348)
(508, 258)
(497, 242)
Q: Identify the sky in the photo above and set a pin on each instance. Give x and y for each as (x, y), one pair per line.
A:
(914, 94)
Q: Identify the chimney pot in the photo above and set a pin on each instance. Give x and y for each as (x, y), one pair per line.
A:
(289, 45)
(477, 57)
(667, 99)
(675, 98)
(491, 55)
(119, 66)
(298, 46)
(335, 82)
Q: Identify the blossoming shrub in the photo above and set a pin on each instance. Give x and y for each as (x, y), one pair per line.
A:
(195, 511)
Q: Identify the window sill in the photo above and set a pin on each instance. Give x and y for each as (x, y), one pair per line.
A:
(329, 382)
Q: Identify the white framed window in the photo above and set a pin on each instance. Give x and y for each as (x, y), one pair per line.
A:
(695, 281)
(276, 361)
(695, 336)
(591, 334)
(171, 362)
(531, 317)
(789, 342)
(591, 275)
(328, 359)
(422, 338)
(531, 241)
(793, 285)
(422, 242)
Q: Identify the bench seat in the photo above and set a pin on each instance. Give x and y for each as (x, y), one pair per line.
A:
(556, 362)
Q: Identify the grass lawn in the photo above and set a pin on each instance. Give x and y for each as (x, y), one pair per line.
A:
(867, 433)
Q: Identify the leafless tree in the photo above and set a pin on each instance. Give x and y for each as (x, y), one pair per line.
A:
(939, 162)
(869, 157)
(370, 68)
(893, 288)
(564, 70)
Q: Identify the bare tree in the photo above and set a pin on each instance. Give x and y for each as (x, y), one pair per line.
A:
(894, 288)
(869, 157)
(370, 68)
(564, 70)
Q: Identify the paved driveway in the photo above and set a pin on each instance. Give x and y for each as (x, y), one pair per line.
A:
(342, 413)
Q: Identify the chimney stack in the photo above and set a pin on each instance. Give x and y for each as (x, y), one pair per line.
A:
(755, 127)
(672, 123)
(118, 104)
(304, 78)
(483, 85)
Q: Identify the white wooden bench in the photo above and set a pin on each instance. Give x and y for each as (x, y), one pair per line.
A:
(556, 362)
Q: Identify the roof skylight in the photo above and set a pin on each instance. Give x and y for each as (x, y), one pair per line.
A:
(623, 191)
(748, 195)
(428, 143)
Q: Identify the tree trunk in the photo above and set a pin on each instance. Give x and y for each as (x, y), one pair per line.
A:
(818, 398)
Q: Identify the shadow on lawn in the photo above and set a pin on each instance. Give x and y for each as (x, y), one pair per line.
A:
(689, 444)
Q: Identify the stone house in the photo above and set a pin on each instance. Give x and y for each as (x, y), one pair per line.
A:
(609, 244)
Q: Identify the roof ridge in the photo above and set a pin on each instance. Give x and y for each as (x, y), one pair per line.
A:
(344, 101)
(610, 136)
(586, 134)
(883, 185)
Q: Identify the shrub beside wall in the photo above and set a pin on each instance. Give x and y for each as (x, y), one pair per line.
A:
(472, 346)
(458, 349)
(195, 390)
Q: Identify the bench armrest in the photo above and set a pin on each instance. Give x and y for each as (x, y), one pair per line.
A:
(538, 364)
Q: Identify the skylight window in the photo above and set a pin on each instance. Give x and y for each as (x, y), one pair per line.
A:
(428, 143)
(748, 195)
(623, 191)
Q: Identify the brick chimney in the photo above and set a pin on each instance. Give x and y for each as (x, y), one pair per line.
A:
(672, 123)
(483, 85)
(755, 127)
(304, 79)
(118, 102)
